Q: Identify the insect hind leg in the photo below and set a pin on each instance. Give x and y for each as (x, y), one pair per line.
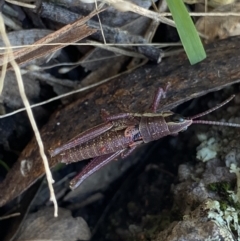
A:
(92, 167)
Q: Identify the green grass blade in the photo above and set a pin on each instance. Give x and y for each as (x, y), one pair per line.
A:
(187, 31)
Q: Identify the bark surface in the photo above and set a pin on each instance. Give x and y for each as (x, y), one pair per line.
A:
(131, 92)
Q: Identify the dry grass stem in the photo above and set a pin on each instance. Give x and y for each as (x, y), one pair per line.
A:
(118, 50)
(210, 14)
(99, 20)
(70, 33)
(73, 63)
(70, 93)
(4, 70)
(25, 5)
(10, 216)
(30, 114)
(98, 44)
(139, 10)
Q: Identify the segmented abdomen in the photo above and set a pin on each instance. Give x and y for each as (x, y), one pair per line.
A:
(108, 142)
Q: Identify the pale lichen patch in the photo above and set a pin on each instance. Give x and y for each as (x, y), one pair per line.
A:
(207, 150)
(228, 217)
(236, 170)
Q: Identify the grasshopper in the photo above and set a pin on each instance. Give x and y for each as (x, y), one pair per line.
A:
(121, 133)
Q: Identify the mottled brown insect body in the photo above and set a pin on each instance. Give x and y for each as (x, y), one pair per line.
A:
(106, 143)
(120, 134)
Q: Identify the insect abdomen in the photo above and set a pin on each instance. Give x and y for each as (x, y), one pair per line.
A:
(106, 143)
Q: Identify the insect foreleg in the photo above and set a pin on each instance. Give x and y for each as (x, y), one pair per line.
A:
(161, 93)
(121, 121)
(82, 138)
(92, 167)
(131, 148)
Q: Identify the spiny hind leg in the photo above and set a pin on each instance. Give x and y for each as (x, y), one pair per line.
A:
(94, 165)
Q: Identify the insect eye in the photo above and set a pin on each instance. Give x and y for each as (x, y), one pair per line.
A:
(178, 118)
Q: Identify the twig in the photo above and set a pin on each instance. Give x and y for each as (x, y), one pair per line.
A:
(30, 114)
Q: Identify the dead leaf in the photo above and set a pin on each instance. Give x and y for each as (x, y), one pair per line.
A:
(211, 3)
(220, 27)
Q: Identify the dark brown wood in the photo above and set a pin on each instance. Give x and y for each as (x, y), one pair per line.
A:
(129, 93)
(70, 33)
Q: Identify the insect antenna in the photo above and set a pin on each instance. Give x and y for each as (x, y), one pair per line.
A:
(216, 123)
(211, 110)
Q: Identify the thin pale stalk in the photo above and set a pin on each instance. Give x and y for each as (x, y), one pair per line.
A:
(30, 114)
